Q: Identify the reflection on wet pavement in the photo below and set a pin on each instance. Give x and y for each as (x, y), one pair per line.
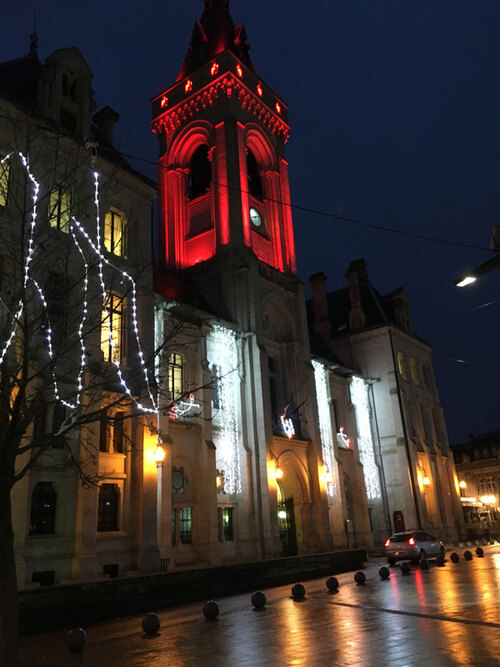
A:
(444, 616)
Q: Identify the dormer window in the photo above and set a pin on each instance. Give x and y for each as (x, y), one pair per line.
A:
(253, 177)
(69, 85)
(200, 173)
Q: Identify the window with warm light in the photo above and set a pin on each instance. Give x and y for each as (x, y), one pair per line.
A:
(111, 328)
(4, 182)
(115, 225)
(59, 208)
(401, 364)
(175, 375)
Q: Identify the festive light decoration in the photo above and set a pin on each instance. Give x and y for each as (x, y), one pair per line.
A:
(183, 408)
(278, 107)
(259, 90)
(223, 352)
(188, 86)
(287, 426)
(214, 69)
(164, 101)
(360, 400)
(239, 70)
(342, 439)
(95, 248)
(325, 425)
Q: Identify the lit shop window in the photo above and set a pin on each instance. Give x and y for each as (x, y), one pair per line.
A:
(115, 226)
(59, 208)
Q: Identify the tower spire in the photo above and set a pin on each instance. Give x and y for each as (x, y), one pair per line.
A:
(214, 33)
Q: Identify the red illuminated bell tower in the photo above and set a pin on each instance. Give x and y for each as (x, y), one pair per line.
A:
(223, 179)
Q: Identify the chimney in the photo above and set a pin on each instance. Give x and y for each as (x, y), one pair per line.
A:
(320, 304)
(104, 121)
(356, 276)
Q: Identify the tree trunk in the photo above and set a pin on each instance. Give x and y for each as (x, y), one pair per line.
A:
(9, 624)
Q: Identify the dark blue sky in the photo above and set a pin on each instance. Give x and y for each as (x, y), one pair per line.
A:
(394, 108)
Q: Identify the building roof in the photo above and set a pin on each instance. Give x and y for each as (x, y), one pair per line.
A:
(214, 33)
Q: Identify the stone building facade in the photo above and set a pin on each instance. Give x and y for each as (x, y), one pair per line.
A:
(373, 333)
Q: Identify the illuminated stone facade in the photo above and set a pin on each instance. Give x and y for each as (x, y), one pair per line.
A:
(411, 479)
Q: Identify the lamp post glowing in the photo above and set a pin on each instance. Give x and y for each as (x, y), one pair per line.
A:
(427, 481)
(462, 484)
(159, 455)
(278, 472)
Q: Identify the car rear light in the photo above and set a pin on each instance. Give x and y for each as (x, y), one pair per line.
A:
(387, 543)
(411, 541)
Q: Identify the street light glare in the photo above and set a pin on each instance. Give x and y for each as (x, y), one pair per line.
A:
(466, 280)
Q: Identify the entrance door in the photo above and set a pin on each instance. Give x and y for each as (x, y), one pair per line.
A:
(286, 522)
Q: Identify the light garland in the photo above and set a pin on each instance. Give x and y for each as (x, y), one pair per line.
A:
(223, 352)
(102, 261)
(359, 398)
(325, 424)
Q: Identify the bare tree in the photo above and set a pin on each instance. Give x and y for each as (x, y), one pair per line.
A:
(77, 351)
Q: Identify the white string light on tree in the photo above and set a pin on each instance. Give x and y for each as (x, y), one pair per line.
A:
(95, 248)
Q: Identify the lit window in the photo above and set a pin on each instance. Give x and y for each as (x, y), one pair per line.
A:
(413, 370)
(111, 328)
(225, 521)
(109, 502)
(43, 509)
(4, 182)
(59, 208)
(181, 525)
(175, 375)
(185, 525)
(115, 225)
(401, 365)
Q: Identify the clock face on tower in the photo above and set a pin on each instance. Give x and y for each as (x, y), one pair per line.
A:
(255, 217)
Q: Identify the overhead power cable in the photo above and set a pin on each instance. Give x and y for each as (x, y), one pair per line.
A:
(336, 216)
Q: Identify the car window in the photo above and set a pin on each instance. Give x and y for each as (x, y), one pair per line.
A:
(429, 538)
(402, 537)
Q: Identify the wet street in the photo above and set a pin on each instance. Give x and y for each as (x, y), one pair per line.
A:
(445, 616)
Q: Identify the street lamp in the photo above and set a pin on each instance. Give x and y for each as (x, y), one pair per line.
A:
(490, 264)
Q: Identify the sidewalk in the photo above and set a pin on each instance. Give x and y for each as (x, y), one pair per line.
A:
(446, 616)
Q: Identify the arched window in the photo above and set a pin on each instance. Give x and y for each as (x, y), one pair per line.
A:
(109, 502)
(175, 375)
(200, 173)
(43, 509)
(253, 176)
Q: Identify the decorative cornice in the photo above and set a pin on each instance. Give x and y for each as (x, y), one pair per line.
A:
(228, 86)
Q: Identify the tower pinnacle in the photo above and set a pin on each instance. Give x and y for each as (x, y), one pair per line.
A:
(214, 33)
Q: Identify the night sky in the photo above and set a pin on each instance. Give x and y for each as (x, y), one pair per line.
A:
(394, 109)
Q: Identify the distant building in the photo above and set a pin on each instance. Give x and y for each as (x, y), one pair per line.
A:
(478, 468)
(373, 334)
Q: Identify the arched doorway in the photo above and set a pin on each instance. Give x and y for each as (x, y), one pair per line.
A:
(286, 523)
